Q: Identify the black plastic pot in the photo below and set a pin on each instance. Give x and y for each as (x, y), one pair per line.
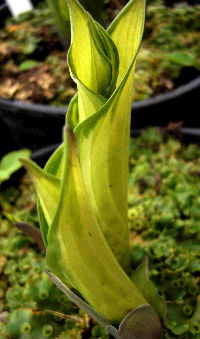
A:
(187, 135)
(36, 126)
(42, 155)
(32, 125)
(4, 12)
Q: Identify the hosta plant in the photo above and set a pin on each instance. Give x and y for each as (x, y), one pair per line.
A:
(82, 191)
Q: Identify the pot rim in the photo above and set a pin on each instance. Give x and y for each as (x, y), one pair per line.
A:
(32, 108)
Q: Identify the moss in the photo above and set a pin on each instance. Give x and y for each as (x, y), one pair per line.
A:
(169, 231)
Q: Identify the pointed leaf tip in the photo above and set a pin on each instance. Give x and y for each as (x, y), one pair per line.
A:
(86, 57)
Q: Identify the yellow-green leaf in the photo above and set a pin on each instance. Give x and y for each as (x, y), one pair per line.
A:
(48, 190)
(104, 150)
(126, 32)
(54, 164)
(104, 146)
(109, 49)
(87, 61)
(78, 252)
(53, 167)
(72, 117)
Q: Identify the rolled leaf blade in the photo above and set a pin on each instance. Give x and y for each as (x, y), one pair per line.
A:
(126, 33)
(87, 61)
(76, 242)
(104, 150)
(110, 50)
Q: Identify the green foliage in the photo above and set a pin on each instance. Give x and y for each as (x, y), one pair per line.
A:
(10, 163)
(28, 64)
(182, 58)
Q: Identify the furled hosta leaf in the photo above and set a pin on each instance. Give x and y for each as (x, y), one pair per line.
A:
(103, 159)
(84, 216)
(109, 49)
(104, 143)
(87, 60)
(108, 140)
(126, 31)
(104, 146)
(78, 252)
(48, 189)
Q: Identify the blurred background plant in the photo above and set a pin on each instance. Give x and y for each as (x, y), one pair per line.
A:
(60, 13)
(10, 163)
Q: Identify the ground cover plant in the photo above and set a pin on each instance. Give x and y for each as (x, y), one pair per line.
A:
(30, 45)
(164, 225)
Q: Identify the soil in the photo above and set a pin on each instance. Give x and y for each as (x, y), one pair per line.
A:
(33, 64)
(164, 225)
